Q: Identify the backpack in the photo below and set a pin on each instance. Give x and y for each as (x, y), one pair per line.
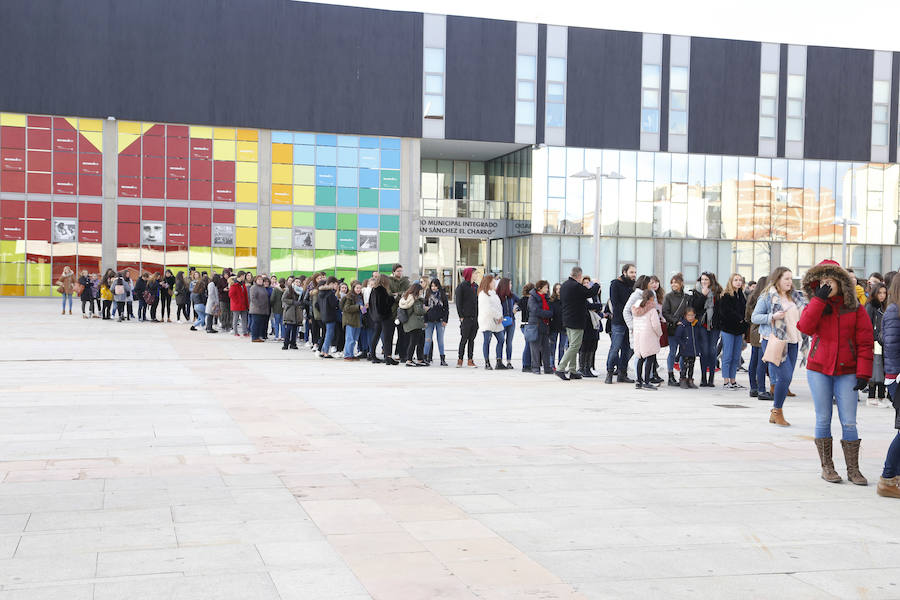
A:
(402, 315)
(148, 297)
(120, 287)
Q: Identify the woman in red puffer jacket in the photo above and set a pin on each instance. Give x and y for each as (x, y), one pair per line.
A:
(839, 362)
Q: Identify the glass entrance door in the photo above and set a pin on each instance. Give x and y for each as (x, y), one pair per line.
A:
(446, 257)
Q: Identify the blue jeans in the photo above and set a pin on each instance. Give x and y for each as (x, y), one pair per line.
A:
(619, 350)
(434, 327)
(258, 326)
(673, 356)
(526, 354)
(840, 387)
(200, 309)
(753, 370)
(559, 341)
(351, 335)
(731, 354)
(66, 297)
(892, 460)
(782, 374)
(278, 325)
(707, 339)
(363, 341)
(329, 336)
(486, 346)
(509, 333)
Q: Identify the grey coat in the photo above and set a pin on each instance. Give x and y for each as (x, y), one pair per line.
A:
(259, 300)
(291, 305)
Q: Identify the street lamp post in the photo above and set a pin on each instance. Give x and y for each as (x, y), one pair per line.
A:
(596, 176)
(845, 223)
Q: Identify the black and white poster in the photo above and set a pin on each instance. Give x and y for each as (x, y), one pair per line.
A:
(153, 233)
(368, 240)
(65, 230)
(223, 235)
(304, 238)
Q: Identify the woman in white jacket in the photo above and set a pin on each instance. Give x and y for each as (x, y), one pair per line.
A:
(490, 319)
(212, 304)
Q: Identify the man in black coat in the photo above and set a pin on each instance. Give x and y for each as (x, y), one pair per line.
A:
(573, 297)
(620, 348)
(467, 309)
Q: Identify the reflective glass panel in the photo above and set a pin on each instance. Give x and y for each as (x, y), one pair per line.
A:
(434, 60)
(434, 106)
(767, 127)
(795, 108)
(679, 78)
(678, 122)
(768, 84)
(767, 106)
(434, 84)
(556, 69)
(794, 130)
(525, 67)
(880, 113)
(556, 91)
(526, 90)
(679, 101)
(525, 113)
(881, 92)
(556, 114)
(650, 76)
(651, 98)
(795, 86)
(650, 120)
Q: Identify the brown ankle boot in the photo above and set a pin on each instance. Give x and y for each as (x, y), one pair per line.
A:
(823, 445)
(459, 363)
(471, 363)
(889, 488)
(851, 456)
(776, 416)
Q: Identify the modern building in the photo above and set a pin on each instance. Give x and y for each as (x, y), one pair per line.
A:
(285, 136)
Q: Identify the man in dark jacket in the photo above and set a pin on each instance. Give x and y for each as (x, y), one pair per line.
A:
(399, 284)
(620, 349)
(573, 296)
(467, 309)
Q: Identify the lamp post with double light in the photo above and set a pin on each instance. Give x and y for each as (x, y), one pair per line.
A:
(596, 176)
(845, 223)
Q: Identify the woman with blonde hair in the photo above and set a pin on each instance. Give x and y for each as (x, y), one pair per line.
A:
(66, 285)
(733, 308)
(490, 320)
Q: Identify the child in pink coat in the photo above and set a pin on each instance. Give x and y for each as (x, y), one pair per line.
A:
(647, 331)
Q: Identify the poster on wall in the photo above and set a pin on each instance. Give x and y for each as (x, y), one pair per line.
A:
(153, 233)
(346, 240)
(304, 238)
(368, 240)
(223, 235)
(65, 230)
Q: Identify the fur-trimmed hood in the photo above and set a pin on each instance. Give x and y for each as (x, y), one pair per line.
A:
(831, 269)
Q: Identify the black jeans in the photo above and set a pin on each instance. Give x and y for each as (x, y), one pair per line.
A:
(587, 351)
(290, 335)
(165, 307)
(153, 308)
(86, 303)
(415, 343)
(107, 308)
(404, 348)
(119, 307)
(182, 309)
(387, 337)
(142, 310)
(468, 329)
(374, 336)
(647, 365)
(540, 352)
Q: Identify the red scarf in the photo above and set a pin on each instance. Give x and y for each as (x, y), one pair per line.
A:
(545, 306)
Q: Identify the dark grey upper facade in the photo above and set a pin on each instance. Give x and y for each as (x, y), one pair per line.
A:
(282, 64)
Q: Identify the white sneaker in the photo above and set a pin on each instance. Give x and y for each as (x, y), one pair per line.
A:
(737, 386)
(885, 403)
(873, 402)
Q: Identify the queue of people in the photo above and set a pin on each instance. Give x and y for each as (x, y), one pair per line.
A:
(849, 335)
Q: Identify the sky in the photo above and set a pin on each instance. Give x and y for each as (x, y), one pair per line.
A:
(868, 24)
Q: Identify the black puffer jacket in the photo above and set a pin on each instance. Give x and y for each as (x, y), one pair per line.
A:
(619, 291)
(698, 303)
(733, 309)
(466, 300)
(438, 306)
(382, 303)
(328, 306)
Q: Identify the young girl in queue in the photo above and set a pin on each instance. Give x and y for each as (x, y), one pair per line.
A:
(685, 341)
(647, 331)
(413, 322)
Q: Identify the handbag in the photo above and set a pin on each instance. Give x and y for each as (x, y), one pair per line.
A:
(664, 338)
(775, 351)
(595, 319)
(531, 333)
(507, 321)
(402, 315)
(79, 288)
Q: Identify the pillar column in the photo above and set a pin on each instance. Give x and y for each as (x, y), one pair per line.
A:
(410, 205)
(264, 203)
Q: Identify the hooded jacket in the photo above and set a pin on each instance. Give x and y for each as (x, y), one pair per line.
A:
(237, 294)
(328, 305)
(841, 332)
(290, 306)
(466, 299)
(686, 337)
(537, 314)
(350, 313)
(415, 310)
(647, 329)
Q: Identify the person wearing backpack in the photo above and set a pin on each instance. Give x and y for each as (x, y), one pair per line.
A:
(436, 316)
(140, 287)
(198, 299)
(121, 292)
(413, 322)
(328, 311)
(182, 298)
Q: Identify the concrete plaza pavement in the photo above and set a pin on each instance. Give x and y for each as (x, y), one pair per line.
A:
(146, 461)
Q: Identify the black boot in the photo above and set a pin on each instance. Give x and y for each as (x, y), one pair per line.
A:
(609, 377)
(672, 381)
(712, 377)
(703, 379)
(443, 361)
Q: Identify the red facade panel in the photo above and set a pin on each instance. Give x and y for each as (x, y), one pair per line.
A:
(65, 209)
(223, 170)
(38, 210)
(154, 146)
(223, 215)
(177, 131)
(176, 189)
(12, 137)
(39, 183)
(201, 170)
(176, 215)
(178, 147)
(65, 183)
(153, 213)
(154, 187)
(12, 159)
(39, 139)
(11, 181)
(129, 234)
(130, 187)
(129, 213)
(223, 191)
(12, 209)
(90, 212)
(65, 162)
(65, 140)
(201, 216)
(154, 166)
(176, 168)
(201, 148)
(90, 185)
(40, 161)
(90, 232)
(40, 121)
(90, 163)
(129, 166)
(201, 190)
(200, 236)
(39, 229)
(176, 235)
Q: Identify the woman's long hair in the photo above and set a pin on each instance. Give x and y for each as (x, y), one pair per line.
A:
(775, 277)
(659, 289)
(485, 285)
(757, 292)
(893, 293)
(504, 288)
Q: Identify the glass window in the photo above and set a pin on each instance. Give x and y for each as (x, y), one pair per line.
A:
(526, 90)
(525, 67)
(524, 113)
(434, 60)
(556, 92)
(679, 78)
(556, 69)
(679, 101)
(651, 98)
(767, 106)
(880, 134)
(794, 130)
(434, 106)
(795, 108)
(768, 85)
(880, 113)
(678, 122)
(556, 115)
(650, 76)
(434, 84)
(881, 92)
(767, 127)
(650, 120)
(796, 86)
